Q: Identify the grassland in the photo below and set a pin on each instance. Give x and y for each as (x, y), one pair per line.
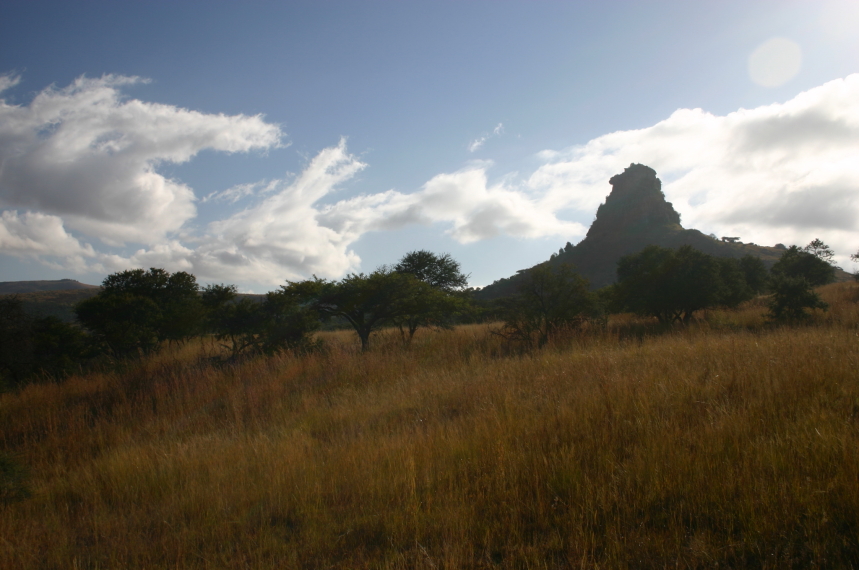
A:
(728, 443)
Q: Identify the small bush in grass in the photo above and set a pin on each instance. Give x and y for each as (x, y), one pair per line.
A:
(13, 480)
(790, 299)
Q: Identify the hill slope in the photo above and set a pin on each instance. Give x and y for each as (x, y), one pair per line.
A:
(12, 287)
(634, 215)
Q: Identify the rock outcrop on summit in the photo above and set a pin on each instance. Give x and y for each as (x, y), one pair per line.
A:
(635, 214)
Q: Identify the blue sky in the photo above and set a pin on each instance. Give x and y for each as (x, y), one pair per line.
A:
(256, 142)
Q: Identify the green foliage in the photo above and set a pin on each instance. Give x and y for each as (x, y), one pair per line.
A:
(35, 346)
(672, 285)
(136, 310)
(279, 322)
(734, 287)
(820, 250)
(126, 324)
(366, 302)
(16, 342)
(438, 304)
(795, 263)
(438, 271)
(790, 299)
(549, 299)
(755, 273)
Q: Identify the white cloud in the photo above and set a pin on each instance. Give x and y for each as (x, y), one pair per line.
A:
(34, 233)
(779, 173)
(289, 236)
(90, 156)
(239, 191)
(785, 172)
(8, 80)
(478, 143)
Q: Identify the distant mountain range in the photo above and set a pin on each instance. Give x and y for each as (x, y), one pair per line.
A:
(635, 214)
(13, 287)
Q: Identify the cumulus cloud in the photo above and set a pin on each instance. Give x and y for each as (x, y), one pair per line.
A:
(289, 235)
(785, 172)
(91, 156)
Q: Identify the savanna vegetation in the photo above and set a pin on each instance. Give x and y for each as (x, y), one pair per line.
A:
(562, 436)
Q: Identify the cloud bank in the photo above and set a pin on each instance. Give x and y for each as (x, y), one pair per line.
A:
(80, 165)
(88, 155)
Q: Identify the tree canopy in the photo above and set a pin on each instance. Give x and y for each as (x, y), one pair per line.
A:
(672, 285)
(796, 262)
(137, 309)
(436, 306)
(437, 271)
(549, 298)
(366, 302)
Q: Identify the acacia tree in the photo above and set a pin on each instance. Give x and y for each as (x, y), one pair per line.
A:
(434, 306)
(548, 299)
(794, 277)
(795, 262)
(438, 271)
(136, 310)
(276, 323)
(366, 302)
(672, 285)
(820, 250)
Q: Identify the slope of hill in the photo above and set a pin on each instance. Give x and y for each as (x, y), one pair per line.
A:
(12, 287)
(634, 215)
(57, 303)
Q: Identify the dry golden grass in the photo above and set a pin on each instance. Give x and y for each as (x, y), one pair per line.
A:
(729, 443)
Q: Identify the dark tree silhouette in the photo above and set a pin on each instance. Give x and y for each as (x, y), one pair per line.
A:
(366, 302)
(549, 299)
(137, 309)
(672, 285)
(437, 306)
(795, 262)
(30, 347)
(438, 271)
(820, 250)
(791, 296)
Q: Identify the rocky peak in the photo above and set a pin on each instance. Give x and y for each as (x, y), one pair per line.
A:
(636, 203)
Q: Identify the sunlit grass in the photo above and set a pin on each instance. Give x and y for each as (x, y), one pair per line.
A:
(729, 442)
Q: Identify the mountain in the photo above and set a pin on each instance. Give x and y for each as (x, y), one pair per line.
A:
(12, 287)
(635, 214)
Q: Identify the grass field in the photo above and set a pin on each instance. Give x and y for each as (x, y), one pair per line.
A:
(728, 443)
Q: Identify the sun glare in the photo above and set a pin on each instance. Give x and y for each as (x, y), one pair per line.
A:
(775, 62)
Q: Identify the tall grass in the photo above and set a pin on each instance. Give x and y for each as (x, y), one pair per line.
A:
(729, 443)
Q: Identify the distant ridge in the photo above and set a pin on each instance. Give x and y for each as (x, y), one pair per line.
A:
(13, 287)
(635, 214)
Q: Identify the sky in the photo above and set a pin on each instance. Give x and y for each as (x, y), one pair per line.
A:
(258, 142)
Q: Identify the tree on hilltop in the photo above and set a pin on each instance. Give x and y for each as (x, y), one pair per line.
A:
(820, 250)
